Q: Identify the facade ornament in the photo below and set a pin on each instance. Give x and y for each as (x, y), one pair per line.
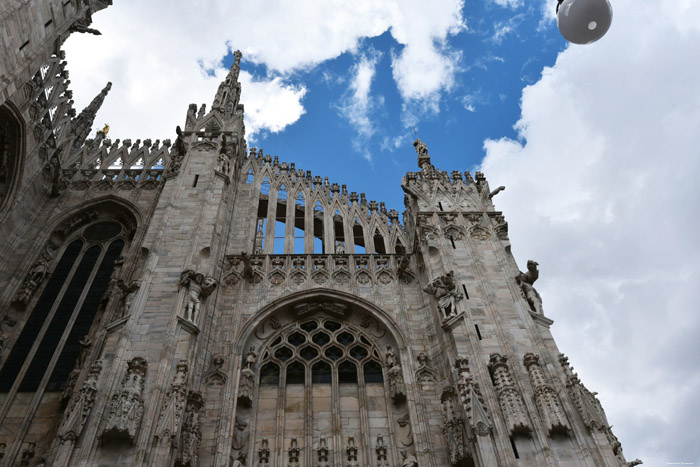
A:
(31, 283)
(396, 384)
(172, 412)
(126, 299)
(351, 451)
(246, 386)
(474, 406)
(444, 289)
(423, 156)
(408, 459)
(496, 191)
(545, 397)
(197, 285)
(526, 280)
(77, 414)
(126, 406)
(259, 237)
(322, 453)
(508, 396)
(240, 435)
(381, 452)
(263, 454)
(501, 228)
(223, 162)
(453, 428)
(191, 433)
(5, 321)
(293, 453)
(179, 150)
(403, 265)
(247, 267)
(422, 360)
(586, 402)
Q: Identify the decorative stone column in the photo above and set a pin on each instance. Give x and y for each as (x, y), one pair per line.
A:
(126, 407)
(508, 396)
(545, 397)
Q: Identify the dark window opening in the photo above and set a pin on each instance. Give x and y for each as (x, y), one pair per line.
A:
(321, 373)
(373, 372)
(400, 250)
(23, 46)
(478, 333)
(359, 237)
(347, 373)
(440, 205)
(48, 23)
(379, 243)
(84, 320)
(48, 344)
(453, 242)
(196, 178)
(36, 320)
(466, 294)
(295, 373)
(269, 374)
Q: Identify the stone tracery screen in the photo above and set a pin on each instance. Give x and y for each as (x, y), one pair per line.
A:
(322, 397)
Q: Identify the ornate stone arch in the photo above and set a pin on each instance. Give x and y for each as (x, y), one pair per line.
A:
(316, 366)
(63, 286)
(12, 155)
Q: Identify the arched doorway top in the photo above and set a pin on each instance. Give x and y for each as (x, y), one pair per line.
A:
(321, 301)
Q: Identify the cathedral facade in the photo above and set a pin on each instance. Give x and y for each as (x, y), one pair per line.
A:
(195, 302)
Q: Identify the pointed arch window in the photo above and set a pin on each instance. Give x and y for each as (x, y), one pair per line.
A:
(318, 228)
(320, 378)
(63, 315)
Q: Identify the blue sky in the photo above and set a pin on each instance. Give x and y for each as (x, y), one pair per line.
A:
(597, 146)
(500, 50)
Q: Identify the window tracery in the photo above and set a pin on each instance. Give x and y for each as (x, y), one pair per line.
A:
(320, 383)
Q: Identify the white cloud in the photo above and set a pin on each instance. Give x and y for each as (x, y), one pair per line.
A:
(270, 105)
(513, 4)
(161, 55)
(357, 105)
(607, 160)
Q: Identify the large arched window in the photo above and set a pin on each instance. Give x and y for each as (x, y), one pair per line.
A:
(10, 149)
(322, 389)
(49, 344)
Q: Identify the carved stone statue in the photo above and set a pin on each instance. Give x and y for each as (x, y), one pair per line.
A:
(127, 296)
(397, 387)
(32, 281)
(223, 162)
(250, 358)
(5, 321)
(179, 149)
(79, 411)
(445, 292)
(390, 357)
(408, 459)
(526, 281)
(197, 285)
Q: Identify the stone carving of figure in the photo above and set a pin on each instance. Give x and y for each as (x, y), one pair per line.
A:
(179, 152)
(396, 384)
(240, 436)
(126, 408)
(390, 357)
(34, 278)
(250, 358)
(127, 296)
(408, 459)
(223, 161)
(197, 286)
(526, 280)
(5, 320)
(246, 387)
(445, 292)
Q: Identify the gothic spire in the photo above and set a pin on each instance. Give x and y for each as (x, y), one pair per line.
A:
(229, 92)
(83, 122)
